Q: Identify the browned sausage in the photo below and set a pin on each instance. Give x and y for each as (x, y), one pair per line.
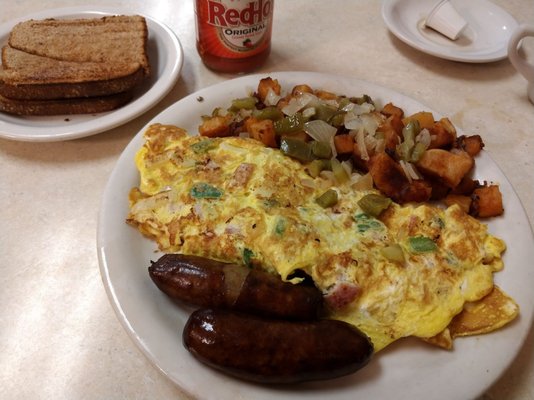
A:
(214, 284)
(275, 351)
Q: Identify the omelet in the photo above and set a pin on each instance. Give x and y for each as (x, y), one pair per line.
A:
(406, 272)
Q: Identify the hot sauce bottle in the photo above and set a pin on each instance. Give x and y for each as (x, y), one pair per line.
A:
(234, 35)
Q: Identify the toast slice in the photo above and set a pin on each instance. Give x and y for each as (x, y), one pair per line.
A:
(112, 39)
(86, 105)
(30, 77)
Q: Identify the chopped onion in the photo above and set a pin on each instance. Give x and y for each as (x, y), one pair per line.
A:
(308, 112)
(272, 98)
(297, 103)
(308, 183)
(424, 137)
(333, 147)
(369, 123)
(347, 166)
(352, 121)
(380, 145)
(365, 108)
(320, 130)
(360, 140)
(348, 107)
(364, 182)
(331, 102)
(328, 175)
(409, 170)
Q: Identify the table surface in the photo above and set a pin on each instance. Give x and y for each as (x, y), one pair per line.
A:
(59, 337)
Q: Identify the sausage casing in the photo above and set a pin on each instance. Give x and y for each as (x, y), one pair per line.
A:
(275, 351)
(209, 283)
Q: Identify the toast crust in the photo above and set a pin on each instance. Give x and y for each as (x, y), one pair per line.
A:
(89, 105)
(66, 90)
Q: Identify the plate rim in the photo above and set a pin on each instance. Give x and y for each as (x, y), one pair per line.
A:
(137, 141)
(392, 25)
(161, 86)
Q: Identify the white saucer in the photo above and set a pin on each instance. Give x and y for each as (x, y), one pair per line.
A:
(166, 59)
(485, 39)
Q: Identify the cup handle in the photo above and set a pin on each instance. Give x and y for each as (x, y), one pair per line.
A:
(522, 66)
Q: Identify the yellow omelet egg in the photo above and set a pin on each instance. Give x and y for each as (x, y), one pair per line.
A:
(235, 200)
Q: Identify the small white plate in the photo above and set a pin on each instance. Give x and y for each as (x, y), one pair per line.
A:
(485, 38)
(408, 369)
(165, 57)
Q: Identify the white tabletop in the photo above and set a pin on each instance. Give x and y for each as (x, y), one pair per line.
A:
(59, 337)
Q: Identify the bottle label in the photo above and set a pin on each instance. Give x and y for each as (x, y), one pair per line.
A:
(234, 28)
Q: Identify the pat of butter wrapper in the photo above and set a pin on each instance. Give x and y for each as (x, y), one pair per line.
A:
(446, 20)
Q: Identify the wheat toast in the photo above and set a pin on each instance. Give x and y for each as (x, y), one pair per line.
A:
(86, 105)
(119, 38)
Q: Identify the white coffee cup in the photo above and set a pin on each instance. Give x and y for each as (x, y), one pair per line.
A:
(520, 64)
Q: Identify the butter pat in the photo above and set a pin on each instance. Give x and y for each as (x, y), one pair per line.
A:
(446, 20)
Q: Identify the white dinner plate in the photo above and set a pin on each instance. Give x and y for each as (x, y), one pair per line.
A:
(407, 369)
(165, 57)
(485, 38)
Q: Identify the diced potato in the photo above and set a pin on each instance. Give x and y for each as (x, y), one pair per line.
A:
(447, 166)
(391, 128)
(390, 109)
(439, 189)
(344, 144)
(472, 145)
(463, 201)
(324, 95)
(266, 84)
(262, 130)
(390, 179)
(466, 186)
(425, 118)
(487, 202)
(442, 135)
(299, 89)
(397, 124)
(217, 126)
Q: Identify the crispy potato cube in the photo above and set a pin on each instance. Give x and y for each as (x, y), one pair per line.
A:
(324, 95)
(425, 118)
(439, 189)
(268, 83)
(487, 202)
(390, 179)
(391, 128)
(390, 109)
(344, 144)
(447, 166)
(472, 145)
(299, 89)
(463, 201)
(262, 130)
(466, 186)
(443, 134)
(215, 127)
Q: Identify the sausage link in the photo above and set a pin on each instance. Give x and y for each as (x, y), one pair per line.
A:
(275, 351)
(214, 284)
